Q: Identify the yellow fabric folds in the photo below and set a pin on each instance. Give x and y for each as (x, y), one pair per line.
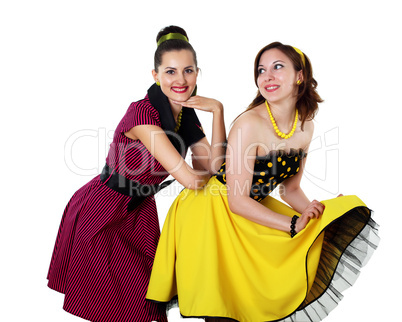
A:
(221, 264)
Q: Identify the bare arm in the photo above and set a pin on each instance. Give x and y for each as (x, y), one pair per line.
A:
(158, 144)
(240, 158)
(210, 156)
(294, 195)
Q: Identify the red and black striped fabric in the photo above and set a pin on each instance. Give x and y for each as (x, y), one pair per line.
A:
(103, 254)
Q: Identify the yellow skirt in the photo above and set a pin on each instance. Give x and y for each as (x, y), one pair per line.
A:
(219, 264)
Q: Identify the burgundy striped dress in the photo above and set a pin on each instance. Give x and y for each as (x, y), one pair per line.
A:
(104, 253)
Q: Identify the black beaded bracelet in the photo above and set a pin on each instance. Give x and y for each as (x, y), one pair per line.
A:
(293, 226)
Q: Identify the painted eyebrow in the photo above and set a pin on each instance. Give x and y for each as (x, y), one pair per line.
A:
(276, 61)
(176, 68)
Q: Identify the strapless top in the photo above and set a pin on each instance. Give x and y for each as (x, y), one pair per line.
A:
(269, 171)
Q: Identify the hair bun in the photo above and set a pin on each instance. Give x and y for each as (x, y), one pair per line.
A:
(178, 40)
(171, 29)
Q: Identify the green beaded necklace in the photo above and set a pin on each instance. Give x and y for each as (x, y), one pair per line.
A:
(178, 121)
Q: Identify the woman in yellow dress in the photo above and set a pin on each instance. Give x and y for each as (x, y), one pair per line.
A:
(229, 250)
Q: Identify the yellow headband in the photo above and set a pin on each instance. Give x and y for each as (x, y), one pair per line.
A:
(172, 35)
(301, 55)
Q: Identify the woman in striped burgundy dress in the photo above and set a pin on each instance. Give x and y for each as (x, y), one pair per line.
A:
(109, 231)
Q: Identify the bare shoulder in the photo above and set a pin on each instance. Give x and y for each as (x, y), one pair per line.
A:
(307, 134)
(308, 128)
(249, 120)
(249, 128)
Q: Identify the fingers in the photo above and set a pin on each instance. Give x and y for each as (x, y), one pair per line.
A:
(319, 208)
(201, 103)
(197, 102)
(314, 209)
(179, 103)
(192, 101)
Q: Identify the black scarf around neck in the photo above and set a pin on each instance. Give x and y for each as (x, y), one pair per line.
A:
(190, 130)
(162, 105)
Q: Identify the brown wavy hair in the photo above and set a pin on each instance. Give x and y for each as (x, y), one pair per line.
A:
(307, 97)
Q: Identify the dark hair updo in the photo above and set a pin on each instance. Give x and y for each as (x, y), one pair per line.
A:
(171, 45)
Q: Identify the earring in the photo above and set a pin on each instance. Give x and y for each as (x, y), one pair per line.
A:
(157, 83)
(298, 82)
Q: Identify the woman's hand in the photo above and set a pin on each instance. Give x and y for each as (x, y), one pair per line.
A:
(209, 156)
(313, 210)
(202, 103)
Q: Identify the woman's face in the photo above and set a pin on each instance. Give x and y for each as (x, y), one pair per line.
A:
(177, 75)
(277, 77)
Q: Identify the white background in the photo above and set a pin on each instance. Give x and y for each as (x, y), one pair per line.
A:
(71, 68)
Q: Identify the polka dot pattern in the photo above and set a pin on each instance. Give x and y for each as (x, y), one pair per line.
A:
(270, 171)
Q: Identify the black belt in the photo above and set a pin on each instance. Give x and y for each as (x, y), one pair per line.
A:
(137, 191)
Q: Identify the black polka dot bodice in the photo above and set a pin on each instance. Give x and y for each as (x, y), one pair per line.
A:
(270, 171)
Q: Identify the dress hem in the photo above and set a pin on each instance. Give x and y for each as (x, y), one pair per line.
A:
(354, 255)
